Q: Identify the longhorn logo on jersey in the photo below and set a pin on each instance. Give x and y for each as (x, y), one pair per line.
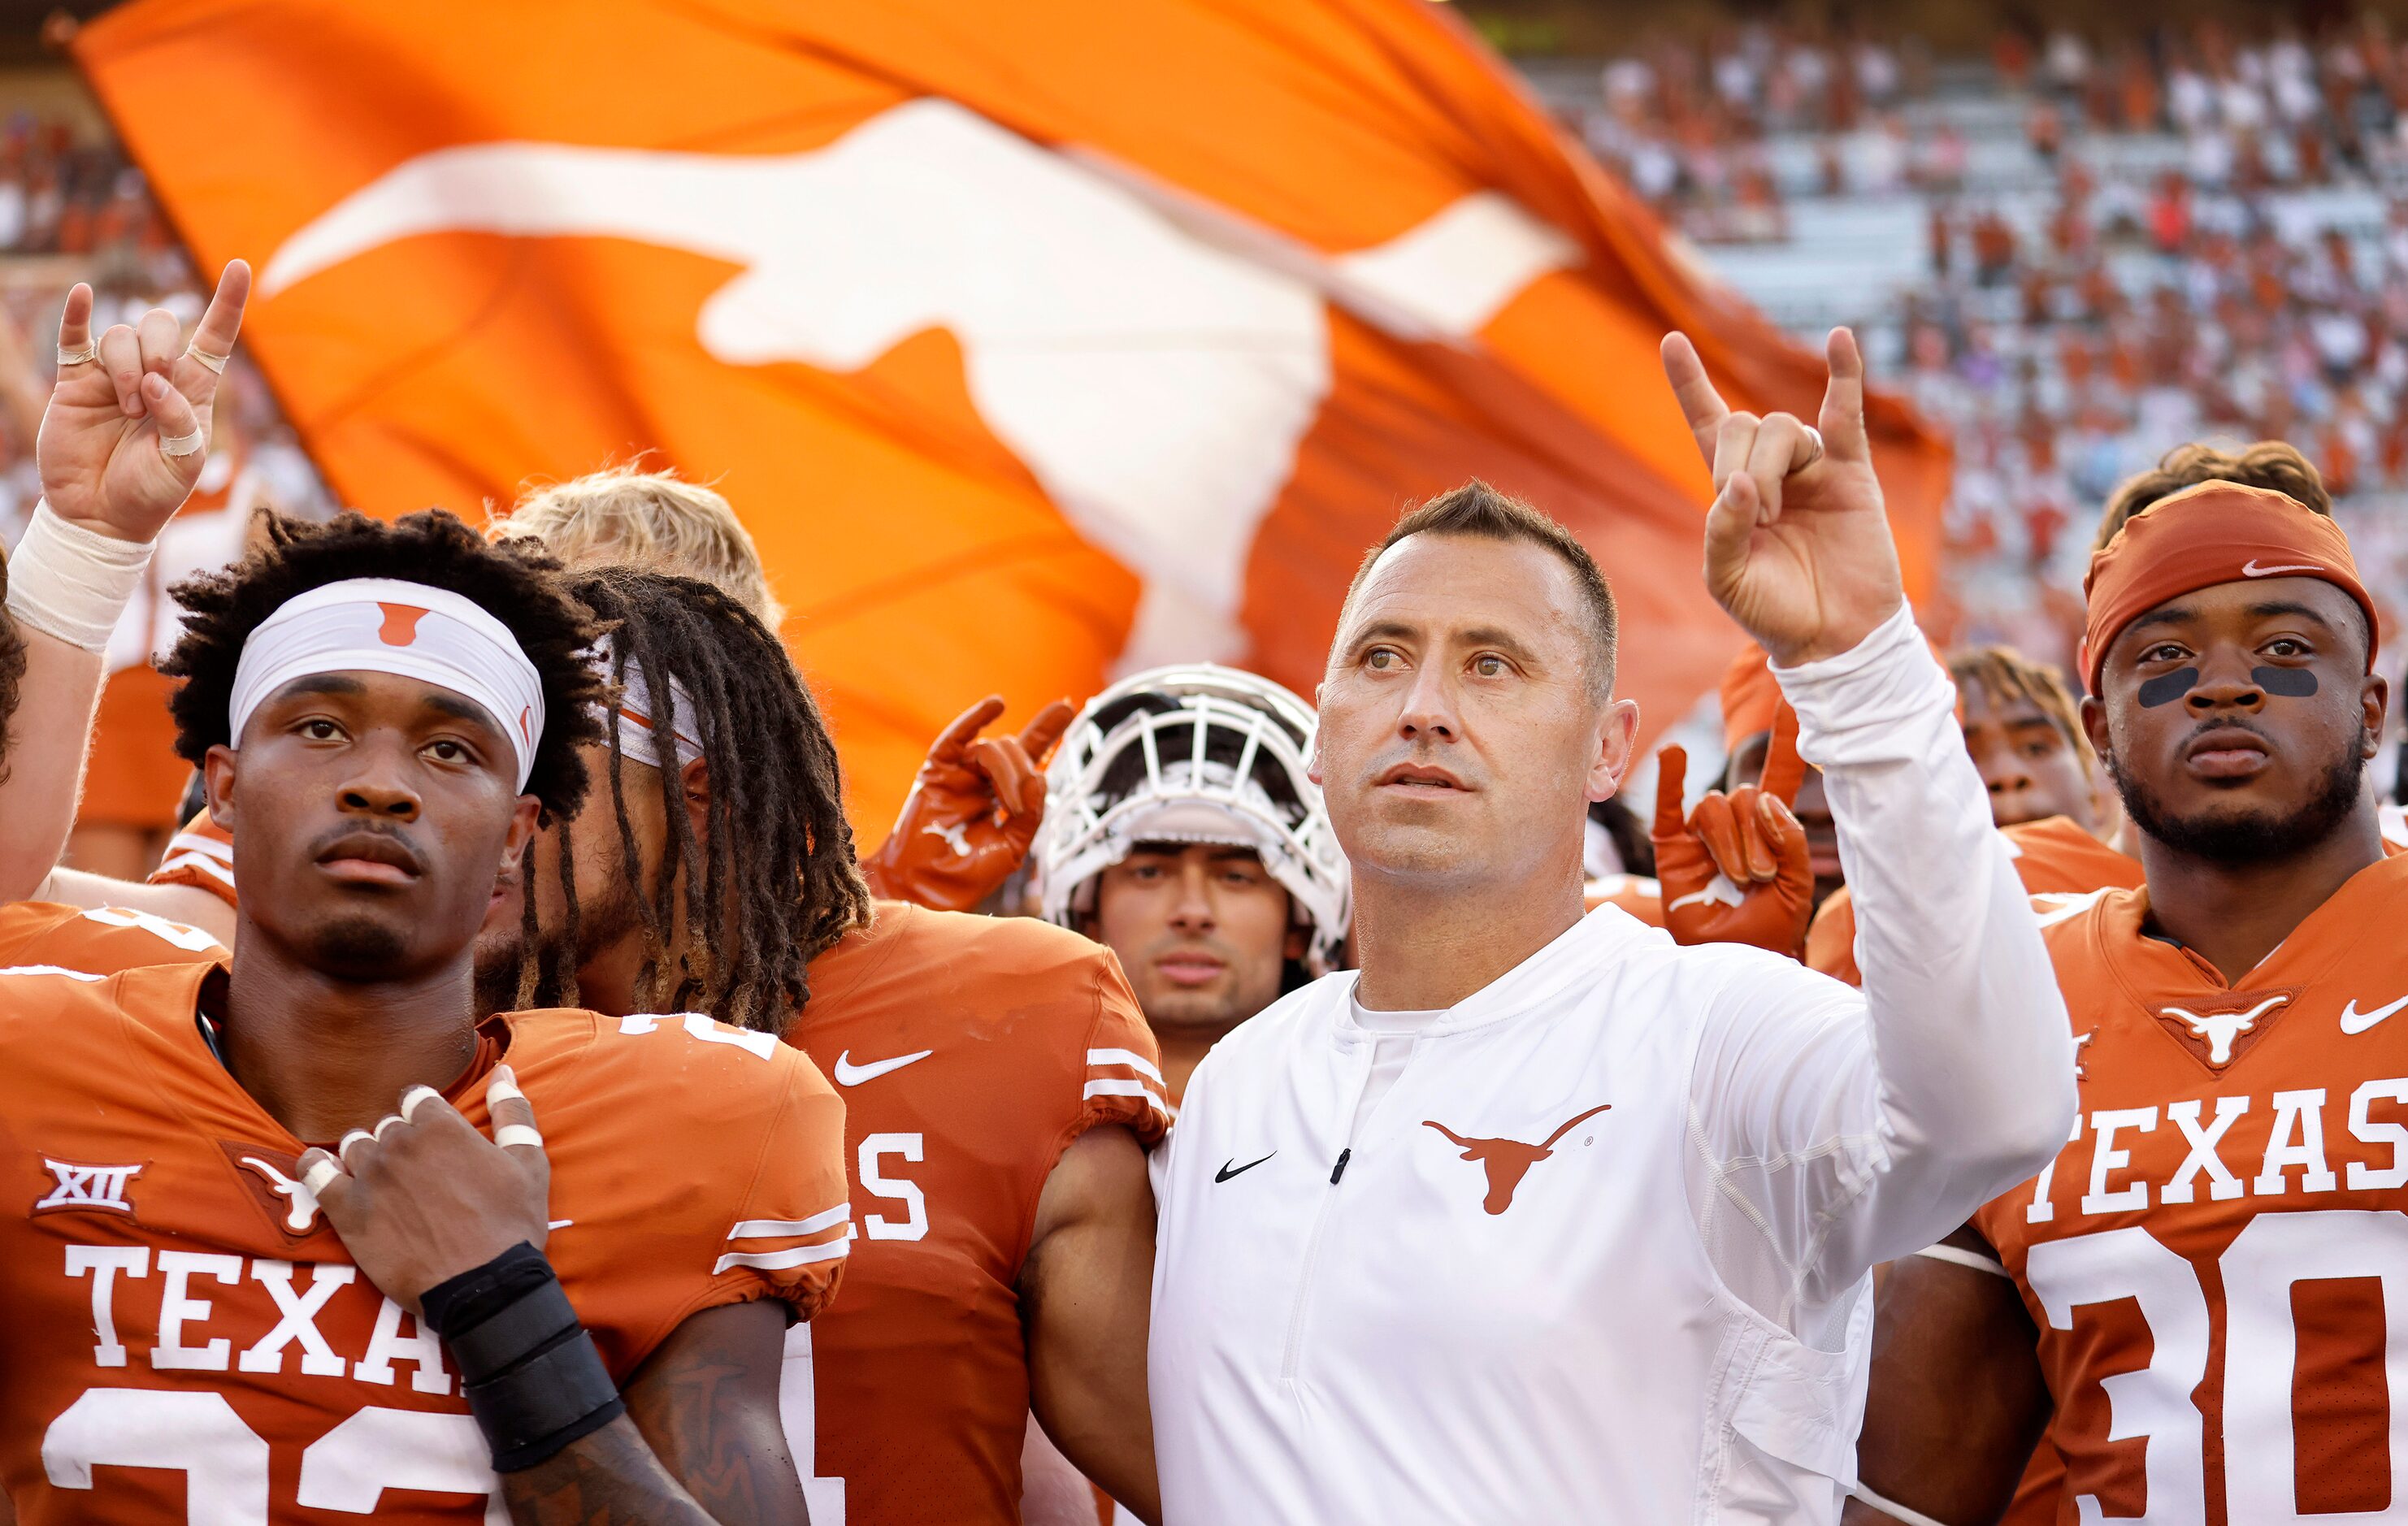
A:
(88, 1187)
(274, 1180)
(1508, 1160)
(2219, 1035)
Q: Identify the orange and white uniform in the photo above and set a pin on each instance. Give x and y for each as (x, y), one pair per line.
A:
(1013, 1038)
(99, 940)
(970, 1051)
(2054, 858)
(200, 854)
(2217, 1261)
(187, 1339)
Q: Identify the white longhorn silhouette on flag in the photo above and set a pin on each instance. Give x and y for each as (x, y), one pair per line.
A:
(1154, 361)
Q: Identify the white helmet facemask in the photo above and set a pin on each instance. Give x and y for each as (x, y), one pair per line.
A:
(1193, 754)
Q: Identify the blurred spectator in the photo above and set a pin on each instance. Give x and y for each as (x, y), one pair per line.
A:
(2129, 241)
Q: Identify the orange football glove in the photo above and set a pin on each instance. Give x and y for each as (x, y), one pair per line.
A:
(973, 810)
(1736, 870)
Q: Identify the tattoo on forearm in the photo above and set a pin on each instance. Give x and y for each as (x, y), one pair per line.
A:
(609, 1478)
(699, 1442)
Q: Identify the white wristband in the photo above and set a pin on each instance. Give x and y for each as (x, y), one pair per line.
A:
(73, 583)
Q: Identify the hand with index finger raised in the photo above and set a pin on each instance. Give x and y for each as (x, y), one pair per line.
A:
(1798, 545)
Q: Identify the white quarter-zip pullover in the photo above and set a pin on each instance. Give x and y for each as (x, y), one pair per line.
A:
(1600, 1253)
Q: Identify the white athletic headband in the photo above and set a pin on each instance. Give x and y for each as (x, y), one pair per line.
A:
(385, 625)
(634, 718)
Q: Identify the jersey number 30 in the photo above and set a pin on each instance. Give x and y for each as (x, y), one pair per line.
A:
(2272, 1254)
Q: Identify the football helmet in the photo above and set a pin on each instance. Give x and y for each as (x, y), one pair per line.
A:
(1195, 753)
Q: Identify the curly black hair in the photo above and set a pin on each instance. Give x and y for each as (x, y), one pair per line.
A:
(12, 666)
(775, 884)
(516, 581)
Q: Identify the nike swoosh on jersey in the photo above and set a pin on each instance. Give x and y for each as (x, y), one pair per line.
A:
(560, 1223)
(2251, 569)
(849, 1073)
(1230, 1167)
(2355, 1022)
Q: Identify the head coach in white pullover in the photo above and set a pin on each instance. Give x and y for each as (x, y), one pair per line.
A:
(1540, 1217)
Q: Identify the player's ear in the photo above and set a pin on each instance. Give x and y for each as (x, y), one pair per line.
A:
(694, 780)
(217, 784)
(525, 816)
(2094, 725)
(2375, 701)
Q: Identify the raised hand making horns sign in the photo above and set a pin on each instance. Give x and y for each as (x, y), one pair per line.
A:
(1798, 545)
(127, 428)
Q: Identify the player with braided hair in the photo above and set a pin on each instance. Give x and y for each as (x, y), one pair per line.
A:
(1002, 1085)
(761, 877)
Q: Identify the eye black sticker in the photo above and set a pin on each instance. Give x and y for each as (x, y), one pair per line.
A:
(2166, 688)
(2289, 682)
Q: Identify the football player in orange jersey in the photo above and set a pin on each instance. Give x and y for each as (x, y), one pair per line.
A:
(2194, 1297)
(1002, 1084)
(390, 742)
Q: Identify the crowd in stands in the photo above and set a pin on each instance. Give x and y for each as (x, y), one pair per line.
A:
(2169, 236)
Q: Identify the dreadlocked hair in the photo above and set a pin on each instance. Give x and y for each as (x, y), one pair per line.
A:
(2006, 675)
(12, 667)
(516, 581)
(774, 885)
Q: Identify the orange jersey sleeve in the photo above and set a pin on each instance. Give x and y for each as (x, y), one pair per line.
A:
(1124, 1082)
(200, 854)
(2054, 858)
(719, 1153)
(101, 940)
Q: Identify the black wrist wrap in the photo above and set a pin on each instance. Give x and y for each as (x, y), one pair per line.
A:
(531, 1375)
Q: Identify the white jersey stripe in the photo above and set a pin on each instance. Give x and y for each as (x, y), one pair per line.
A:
(780, 1261)
(53, 969)
(1130, 1058)
(1107, 1087)
(762, 1229)
(190, 842)
(194, 860)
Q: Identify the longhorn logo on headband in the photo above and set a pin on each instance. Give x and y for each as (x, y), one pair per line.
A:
(400, 627)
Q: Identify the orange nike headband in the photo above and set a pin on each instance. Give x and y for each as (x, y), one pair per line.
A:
(2214, 533)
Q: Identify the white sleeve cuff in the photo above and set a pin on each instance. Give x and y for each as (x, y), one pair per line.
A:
(1853, 708)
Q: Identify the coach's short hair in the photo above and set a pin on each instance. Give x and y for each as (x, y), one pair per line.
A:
(1480, 512)
(2274, 464)
(656, 520)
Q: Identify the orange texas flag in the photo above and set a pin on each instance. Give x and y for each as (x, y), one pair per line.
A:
(1032, 342)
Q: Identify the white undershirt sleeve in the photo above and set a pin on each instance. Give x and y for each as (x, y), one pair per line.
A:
(1844, 1130)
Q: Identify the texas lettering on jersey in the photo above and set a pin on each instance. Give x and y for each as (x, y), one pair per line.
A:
(185, 1337)
(969, 1051)
(2215, 1262)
